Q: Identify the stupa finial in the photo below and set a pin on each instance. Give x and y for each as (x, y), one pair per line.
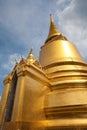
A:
(53, 31)
(51, 19)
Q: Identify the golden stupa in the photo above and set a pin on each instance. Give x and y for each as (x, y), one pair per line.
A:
(49, 94)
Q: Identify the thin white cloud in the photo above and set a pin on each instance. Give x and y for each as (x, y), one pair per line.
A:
(73, 23)
(26, 21)
(11, 62)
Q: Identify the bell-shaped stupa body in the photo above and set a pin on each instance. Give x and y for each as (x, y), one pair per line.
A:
(57, 48)
(66, 104)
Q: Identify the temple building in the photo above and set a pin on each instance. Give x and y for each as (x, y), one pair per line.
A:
(49, 93)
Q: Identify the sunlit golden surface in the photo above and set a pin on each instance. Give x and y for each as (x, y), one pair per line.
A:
(49, 94)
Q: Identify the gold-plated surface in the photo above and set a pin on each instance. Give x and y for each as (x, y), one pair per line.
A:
(7, 83)
(57, 48)
(30, 58)
(54, 32)
(59, 51)
(30, 90)
(49, 94)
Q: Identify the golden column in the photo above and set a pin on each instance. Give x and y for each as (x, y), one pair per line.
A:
(4, 98)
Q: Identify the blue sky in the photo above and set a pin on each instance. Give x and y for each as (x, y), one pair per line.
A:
(24, 24)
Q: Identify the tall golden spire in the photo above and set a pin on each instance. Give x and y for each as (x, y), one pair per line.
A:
(53, 31)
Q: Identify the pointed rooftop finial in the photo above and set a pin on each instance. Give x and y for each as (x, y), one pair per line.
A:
(31, 51)
(21, 57)
(30, 57)
(51, 19)
(16, 61)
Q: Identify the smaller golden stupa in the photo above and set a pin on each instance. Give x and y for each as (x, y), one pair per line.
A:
(49, 94)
